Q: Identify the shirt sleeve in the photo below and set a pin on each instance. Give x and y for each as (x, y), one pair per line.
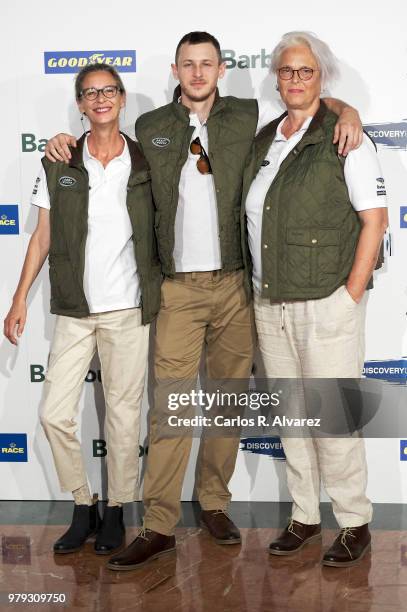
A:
(363, 177)
(40, 194)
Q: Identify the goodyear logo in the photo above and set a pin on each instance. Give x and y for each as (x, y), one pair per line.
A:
(73, 61)
(13, 447)
(403, 216)
(9, 219)
(270, 446)
(403, 450)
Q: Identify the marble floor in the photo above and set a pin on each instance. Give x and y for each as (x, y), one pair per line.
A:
(203, 576)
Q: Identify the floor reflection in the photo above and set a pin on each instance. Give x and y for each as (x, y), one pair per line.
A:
(205, 577)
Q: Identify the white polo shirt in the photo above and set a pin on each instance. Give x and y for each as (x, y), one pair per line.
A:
(363, 179)
(110, 279)
(197, 246)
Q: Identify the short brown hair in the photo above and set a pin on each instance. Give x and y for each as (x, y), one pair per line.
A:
(195, 38)
(88, 69)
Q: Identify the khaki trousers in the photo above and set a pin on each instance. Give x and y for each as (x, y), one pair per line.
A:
(198, 309)
(122, 343)
(319, 339)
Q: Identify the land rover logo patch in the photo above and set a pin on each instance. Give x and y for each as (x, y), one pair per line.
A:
(161, 141)
(67, 181)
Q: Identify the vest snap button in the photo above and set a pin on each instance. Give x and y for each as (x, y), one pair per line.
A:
(265, 246)
(314, 241)
(266, 285)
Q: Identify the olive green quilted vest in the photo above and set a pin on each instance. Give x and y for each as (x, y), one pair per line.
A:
(68, 188)
(310, 229)
(165, 135)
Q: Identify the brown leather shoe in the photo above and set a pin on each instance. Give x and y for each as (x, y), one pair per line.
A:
(349, 547)
(294, 537)
(220, 526)
(147, 546)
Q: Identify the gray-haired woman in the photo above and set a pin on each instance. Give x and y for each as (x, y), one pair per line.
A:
(315, 225)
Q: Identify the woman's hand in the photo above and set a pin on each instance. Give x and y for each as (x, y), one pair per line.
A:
(14, 322)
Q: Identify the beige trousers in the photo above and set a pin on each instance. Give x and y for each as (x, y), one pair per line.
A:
(122, 343)
(198, 309)
(319, 339)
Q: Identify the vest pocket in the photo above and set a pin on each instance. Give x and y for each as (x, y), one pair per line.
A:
(313, 256)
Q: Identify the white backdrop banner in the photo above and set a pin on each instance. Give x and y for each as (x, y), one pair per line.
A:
(42, 46)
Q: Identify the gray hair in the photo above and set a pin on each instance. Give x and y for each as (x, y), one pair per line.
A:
(326, 60)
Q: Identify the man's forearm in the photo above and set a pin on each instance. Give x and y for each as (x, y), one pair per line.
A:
(337, 106)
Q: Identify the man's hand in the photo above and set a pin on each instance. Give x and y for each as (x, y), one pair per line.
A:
(16, 318)
(57, 148)
(348, 131)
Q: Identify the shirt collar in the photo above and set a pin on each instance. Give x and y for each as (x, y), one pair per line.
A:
(193, 118)
(303, 128)
(124, 156)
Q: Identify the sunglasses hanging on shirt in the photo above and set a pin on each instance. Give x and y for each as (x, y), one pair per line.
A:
(203, 164)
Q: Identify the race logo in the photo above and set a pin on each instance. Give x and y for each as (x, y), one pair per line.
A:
(403, 216)
(73, 61)
(403, 450)
(272, 447)
(161, 142)
(13, 447)
(232, 60)
(67, 181)
(390, 370)
(389, 135)
(9, 219)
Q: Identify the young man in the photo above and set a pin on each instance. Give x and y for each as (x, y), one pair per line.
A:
(197, 148)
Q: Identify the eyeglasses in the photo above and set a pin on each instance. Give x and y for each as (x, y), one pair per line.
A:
(305, 74)
(203, 164)
(91, 93)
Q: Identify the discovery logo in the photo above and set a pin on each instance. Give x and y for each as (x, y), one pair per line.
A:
(13, 447)
(9, 219)
(403, 450)
(391, 370)
(73, 61)
(403, 216)
(390, 135)
(272, 447)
